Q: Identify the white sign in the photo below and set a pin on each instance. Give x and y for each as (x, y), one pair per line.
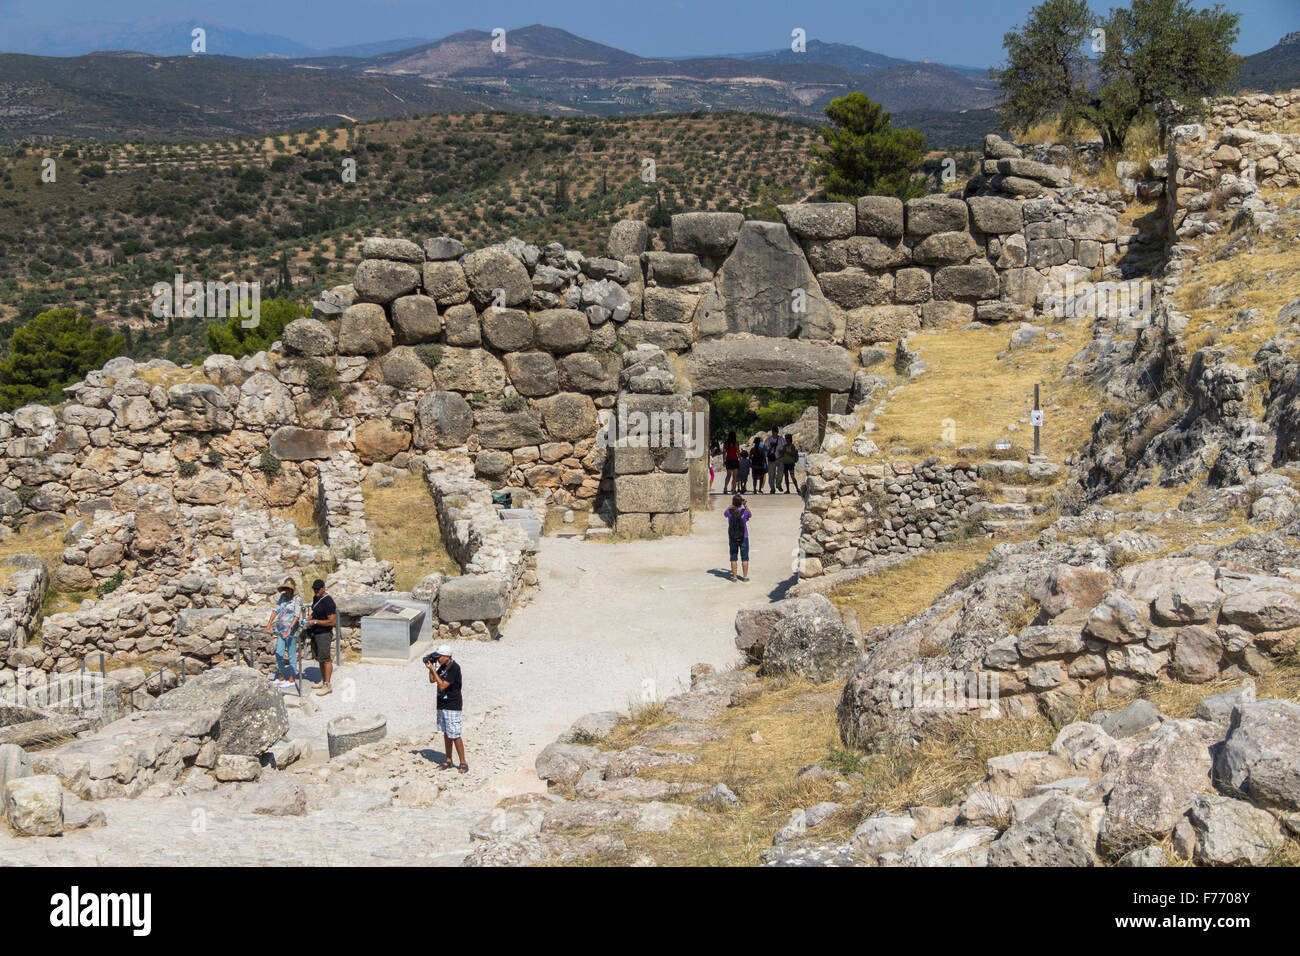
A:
(1036, 418)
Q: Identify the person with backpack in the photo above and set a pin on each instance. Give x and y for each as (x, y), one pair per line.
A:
(731, 462)
(738, 535)
(790, 458)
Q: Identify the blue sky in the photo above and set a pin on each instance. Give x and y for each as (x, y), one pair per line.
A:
(965, 32)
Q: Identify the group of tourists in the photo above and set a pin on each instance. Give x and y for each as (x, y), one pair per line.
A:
(769, 461)
(290, 620)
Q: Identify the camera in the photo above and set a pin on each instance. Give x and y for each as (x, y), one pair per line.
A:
(430, 659)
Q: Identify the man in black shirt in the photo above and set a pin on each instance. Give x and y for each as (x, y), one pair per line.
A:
(446, 674)
(320, 629)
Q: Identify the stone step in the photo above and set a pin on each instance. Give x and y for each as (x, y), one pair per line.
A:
(598, 533)
(1001, 510)
(1003, 524)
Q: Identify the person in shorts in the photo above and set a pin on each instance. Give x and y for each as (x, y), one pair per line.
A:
(738, 535)
(445, 672)
(320, 631)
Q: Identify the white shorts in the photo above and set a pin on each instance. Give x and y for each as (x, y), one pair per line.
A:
(449, 723)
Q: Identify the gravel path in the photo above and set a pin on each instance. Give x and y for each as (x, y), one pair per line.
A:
(611, 624)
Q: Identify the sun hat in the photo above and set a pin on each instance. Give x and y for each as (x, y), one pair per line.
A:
(444, 650)
(288, 585)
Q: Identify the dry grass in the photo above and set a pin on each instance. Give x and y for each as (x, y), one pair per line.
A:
(896, 594)
(1141, 144)
(1258, 277)
(965, 386)
(760, 771)
(404, 529)
(167, 377)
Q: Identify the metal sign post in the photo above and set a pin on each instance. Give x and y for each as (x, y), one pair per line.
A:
(1037, 419)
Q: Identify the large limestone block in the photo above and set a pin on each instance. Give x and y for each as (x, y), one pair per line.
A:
(383, 280)
(252, 711)
(364, 330)
(469, 370)
(706, 233)
(933, 214)
(416, 320)
(474, 597)
(766, 280)
(443, 420)
(497, 278)
(652, 493)
(769, 363)
(820, 220)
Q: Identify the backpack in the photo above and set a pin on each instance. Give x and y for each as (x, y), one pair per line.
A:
(735, 526)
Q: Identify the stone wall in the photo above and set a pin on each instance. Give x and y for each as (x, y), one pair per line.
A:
(20, 603)
(1224, 166)
(857, 512)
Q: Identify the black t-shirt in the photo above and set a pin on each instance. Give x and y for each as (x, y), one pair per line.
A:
(449, 696)
(321, 609)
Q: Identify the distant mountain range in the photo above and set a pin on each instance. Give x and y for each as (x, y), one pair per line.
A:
(252, 82)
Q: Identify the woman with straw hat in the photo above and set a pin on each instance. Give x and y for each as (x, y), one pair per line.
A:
(285, 618)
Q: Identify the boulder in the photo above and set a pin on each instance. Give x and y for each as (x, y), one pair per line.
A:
(308, 337)
(1232, 832)
(880, 216)
(879, 323)
(383, 280)
(509, 330)
(442, 420)
(497, 428)
(34, 805)
(416, 320)
(1262, 610)
(290, 443)
(445, 283)
(1061, 832)
(996, 214)
(403, 369)
(443, 247)
(627, 237)
(568, 417)
(497, 278)
(653, 493)
(933, 214)
(379, 439)
(756, 623)
(586, 372)
(399, 250)
(14, 764)
(474, 597)
(951, 846)
(1156, 783)
(1198, 652)
(364, 330)
(252, 711)
(562, 330)
(820, 220)
(197, 408)
(816, 646)
(1260, 758)
(705, 233)
(264, 400)
(532, 373)
(470, 370)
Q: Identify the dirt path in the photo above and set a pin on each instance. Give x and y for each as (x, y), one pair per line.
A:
(610, 622)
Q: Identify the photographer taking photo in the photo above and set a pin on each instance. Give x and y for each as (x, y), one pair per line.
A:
(445, 672)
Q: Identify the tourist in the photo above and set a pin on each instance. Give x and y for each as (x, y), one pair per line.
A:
(758, 463)
(731, 462)
(320, 628)
(790, 458)
(738, 535)
(285, 618)
(445, 672)
(742, 473)
(775, 446)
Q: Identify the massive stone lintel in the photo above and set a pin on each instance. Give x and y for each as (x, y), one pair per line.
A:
(768, 363)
